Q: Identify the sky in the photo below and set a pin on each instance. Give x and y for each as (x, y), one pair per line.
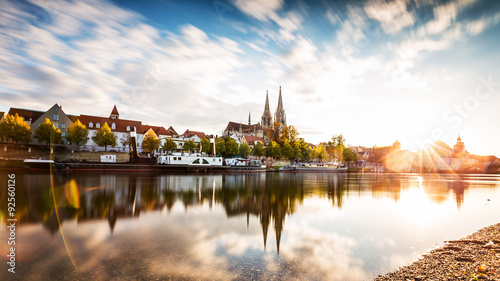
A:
(375, 71)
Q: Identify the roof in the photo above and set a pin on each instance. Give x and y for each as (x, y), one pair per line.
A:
(114, 111)
(27, 114)
(253, 139)
(121, 124)
(1, 115)
(158, 130)
(172, 131)
(188, 134)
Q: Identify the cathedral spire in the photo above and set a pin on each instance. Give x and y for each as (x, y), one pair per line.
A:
(280, 115)
(249, 119)
(266, 116)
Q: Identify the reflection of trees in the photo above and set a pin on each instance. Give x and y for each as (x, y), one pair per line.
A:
(267, 196)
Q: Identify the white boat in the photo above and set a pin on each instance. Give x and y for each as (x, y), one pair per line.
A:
(314, 167)
(189, 159)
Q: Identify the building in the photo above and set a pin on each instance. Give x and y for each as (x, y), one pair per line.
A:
(159, 132)
(120, 127)
(266, 118)
(280, 116)
(55, 114)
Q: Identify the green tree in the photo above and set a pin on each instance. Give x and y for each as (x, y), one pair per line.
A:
(350, 156)
(220, 146)
(189, 145)
(15, 129)
(273, 150)
(244, 149)
(150, 143)
(205, 145)
(104, 137)
(48, 133)
(258, 149)
(231, 147)
(168, 145)
(77, 134)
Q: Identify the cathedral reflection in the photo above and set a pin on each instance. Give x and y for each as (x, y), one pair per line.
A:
(269, 197)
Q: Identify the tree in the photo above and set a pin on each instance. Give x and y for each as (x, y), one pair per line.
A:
(77, 133)
(274, 132)
(273, 150)
(15, 129)
(126, 140)
(287, 150)
(258, 149)
(350, 156)
(338, 145)
(48, 133)
(150, 143)
(321, 153)
(104, 137)
(231, 147)
(244, 150)
(289, 133)
(189, 145)
(205, 145)
(168, 145)
(220, 146)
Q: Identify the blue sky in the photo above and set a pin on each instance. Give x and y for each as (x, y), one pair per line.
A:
(375, 71)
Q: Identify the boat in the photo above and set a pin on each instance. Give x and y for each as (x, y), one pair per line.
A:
(39, 163)
(315, 167)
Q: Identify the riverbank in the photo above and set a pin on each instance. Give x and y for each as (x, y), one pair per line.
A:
(475, 257)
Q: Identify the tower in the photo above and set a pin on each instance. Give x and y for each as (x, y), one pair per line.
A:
(266, 116)
(459, 148)
(114, 113)
(280, 115)
(249, 119)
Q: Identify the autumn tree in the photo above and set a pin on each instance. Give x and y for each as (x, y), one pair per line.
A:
(220, 146)
(205, 145)
(126, 140)
(288, 133)
(168, 145)
(13, 128)
(258, 149)
(320, 153)
(48, 133)
(104, 137)
(189, 145)
(337, 144)
(150, 142)
(77, 134)
(274, 132)
(350, 156)
(287, 150)
(244, 150)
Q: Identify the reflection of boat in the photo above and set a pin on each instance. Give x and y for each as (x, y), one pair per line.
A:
(314, 168)
(39, 163)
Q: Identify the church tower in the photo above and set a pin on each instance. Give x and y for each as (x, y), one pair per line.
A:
(280, 115)
(266, 116)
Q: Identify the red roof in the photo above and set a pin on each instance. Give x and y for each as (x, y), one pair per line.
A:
(245, 128)
(158, 130)
(188, 134)
(172, 131)
(253, 140)
(121, 124)
(114, 111)
(28, 115)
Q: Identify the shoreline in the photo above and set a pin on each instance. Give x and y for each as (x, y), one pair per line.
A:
(474, 257)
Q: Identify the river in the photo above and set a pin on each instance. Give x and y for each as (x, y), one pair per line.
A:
(315, 226)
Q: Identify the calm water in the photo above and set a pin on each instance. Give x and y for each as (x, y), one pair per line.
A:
(238, 226)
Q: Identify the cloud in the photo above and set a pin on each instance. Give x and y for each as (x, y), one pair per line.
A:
(393, 16)
(260, 9)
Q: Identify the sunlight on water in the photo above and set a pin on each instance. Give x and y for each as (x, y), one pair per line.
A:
(261, 226)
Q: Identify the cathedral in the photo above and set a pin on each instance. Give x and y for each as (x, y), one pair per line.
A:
(260, 129)
(279, 115)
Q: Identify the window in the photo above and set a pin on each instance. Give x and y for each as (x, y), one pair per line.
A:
(197, 161)
(63, 134)
(63, 125)
(180, 158)
(56, 124)
(175, 158)
(97, 125)
(91, 125)
(113, 126)
(205, 161)
(128, 128)
(56, 117)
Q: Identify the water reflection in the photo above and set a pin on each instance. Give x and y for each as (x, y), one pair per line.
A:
(326, 226)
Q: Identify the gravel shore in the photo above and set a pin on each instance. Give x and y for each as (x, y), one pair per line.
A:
(475, 257)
